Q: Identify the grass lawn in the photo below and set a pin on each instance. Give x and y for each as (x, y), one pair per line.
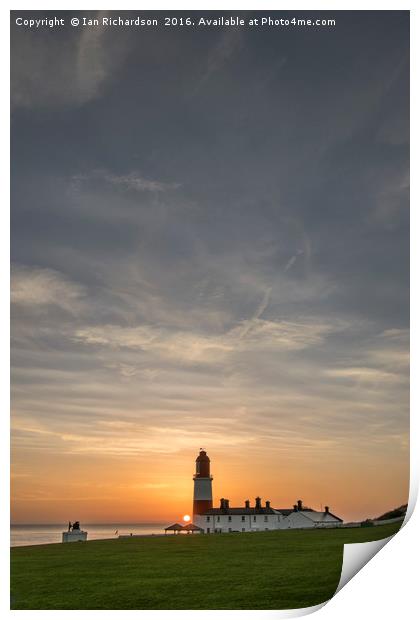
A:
(262, 570)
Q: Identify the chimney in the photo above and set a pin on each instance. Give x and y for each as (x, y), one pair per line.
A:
(295, 507)
(299, 504)
(227, 504)
(222, 503)
(258, 503)
(247, 503)
(327, 509)
(267, 504)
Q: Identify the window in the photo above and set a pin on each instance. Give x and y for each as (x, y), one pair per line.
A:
(243, 529)
(243, 518)
(255, 518)
(266, 519)
(208, 519)
(278, 518)
(218, 518)
(208, 530)
(229, 518)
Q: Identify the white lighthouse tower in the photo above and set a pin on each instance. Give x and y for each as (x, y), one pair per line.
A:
(203, 496)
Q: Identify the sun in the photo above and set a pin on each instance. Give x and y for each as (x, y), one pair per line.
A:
(186, 518)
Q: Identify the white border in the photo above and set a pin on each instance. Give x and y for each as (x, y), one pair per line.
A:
(386, 587)
(216, 5)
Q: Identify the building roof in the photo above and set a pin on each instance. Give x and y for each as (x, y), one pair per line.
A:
(176, 527)
(284, 511)
(191, 527)
(313, 515)
(320, 517)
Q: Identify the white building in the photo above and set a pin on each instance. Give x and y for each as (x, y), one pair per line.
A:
(306, 517)
(249, 518)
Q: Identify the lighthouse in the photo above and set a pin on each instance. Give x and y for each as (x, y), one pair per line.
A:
(203, 497)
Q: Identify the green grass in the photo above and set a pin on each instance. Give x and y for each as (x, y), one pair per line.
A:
(264, 570)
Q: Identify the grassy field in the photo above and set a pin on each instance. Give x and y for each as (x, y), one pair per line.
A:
(264, 570)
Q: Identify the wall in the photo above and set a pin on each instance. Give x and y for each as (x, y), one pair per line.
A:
(236, 524)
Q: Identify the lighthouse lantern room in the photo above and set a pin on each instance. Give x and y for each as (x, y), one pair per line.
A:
(203, 496)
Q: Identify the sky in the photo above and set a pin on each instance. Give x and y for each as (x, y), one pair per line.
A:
(210, 248)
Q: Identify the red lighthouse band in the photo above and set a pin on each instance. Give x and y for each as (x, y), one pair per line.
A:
(203, 496)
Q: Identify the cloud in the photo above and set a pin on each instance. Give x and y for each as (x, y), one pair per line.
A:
(255, 334)
(36, 287)
(93, 61)
(131, 442)
(292, 260)
(390, 350)
(227, 45)
(392, 199)
(53, 70)
(121, 391)
(182, 346)
(369, 375)
(131, 181)
(248, 325)
(263, 305)
(284, 335)
(396, 335)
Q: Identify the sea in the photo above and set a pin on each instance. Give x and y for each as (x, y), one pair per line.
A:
(34, 534)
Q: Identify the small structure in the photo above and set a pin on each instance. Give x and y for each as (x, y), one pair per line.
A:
(190, 528)
(175, 528)
(74, 533)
